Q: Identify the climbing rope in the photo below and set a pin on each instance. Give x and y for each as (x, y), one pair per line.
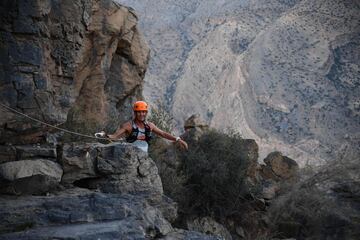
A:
(52, 126)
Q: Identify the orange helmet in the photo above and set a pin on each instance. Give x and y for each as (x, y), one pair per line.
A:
(140, 106)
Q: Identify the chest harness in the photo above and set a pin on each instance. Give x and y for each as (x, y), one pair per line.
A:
(136, 131)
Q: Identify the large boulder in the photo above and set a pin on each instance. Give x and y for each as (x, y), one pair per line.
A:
(194, 127)
(21, 152)
(26, 168)
(127, 169)
(114, 168)
(276, 170)
(281, 166)
(32, 176)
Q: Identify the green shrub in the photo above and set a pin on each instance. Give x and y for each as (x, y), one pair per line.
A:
(210, 178)
(215, 169)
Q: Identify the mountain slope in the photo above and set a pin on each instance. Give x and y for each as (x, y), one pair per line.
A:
(285, 73)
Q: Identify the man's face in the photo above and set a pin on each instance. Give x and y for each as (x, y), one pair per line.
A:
(140, 115)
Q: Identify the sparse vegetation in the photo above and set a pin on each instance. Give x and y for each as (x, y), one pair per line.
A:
(322, 206)
(161, 117)
(210, 180)
(207, 180)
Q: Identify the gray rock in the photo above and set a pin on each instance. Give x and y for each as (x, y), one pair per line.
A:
(125, 168)
(35, 151)
(78, 161)
(165, 204)
(114, 168)
(33, 185)
(119, 159)
(25, 168)
(209, 226)
(195, 121)
(282, 166)
(119, 229)
(109, 230)
(81, 213)
(194, 127)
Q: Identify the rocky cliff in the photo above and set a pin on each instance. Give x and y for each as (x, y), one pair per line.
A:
(285, 73)
(77, 65)
(91, 191)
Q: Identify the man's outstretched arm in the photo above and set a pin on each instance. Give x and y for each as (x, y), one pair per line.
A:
(168, 136)
(121, 131)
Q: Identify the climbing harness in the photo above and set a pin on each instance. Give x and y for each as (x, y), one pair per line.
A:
(52, 126)
(135, 132)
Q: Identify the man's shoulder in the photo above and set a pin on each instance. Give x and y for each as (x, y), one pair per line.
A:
(127, 125)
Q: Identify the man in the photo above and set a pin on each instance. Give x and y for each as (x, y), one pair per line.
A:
(138, 131)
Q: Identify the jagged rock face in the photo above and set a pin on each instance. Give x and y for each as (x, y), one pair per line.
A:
(111, 168)
(285, 73)
(78, 63)
(82, 214)
(128, 202)
(114, 168)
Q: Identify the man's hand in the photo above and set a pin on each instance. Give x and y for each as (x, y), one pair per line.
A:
(101, 134)
(183, 144)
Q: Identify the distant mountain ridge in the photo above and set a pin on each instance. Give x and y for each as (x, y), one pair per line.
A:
(286, 73)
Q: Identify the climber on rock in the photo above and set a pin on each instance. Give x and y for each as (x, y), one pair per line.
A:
(139, 131)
